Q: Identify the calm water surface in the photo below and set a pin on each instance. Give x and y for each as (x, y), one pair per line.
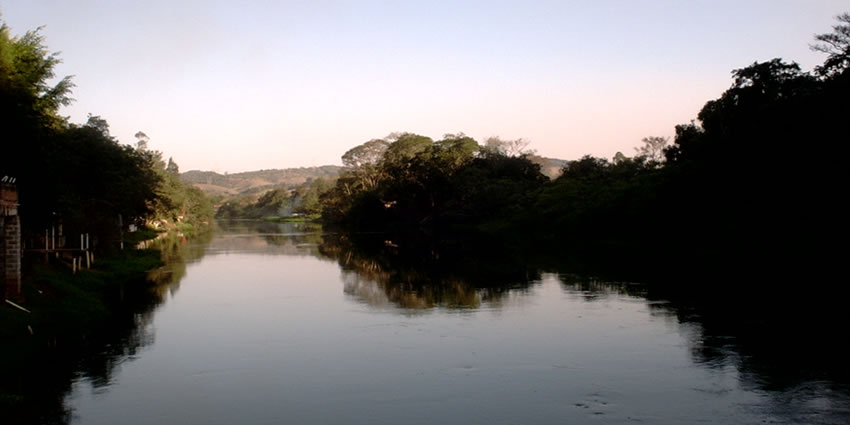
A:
(264, 328)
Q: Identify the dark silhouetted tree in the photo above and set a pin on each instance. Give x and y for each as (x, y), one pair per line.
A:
(652, 149)
(837, 46)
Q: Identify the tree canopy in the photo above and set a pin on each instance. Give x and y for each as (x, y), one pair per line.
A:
(837, 46)
(754, 177)
(70, 174)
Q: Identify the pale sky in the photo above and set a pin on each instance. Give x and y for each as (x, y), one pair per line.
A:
(246, 85)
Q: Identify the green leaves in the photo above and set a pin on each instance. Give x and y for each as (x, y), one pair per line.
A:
(26, 67)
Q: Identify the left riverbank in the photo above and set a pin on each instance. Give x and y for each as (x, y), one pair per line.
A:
(65, 322)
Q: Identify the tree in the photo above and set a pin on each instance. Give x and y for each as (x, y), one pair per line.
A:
(652, 149)
(26, 67)
(455, 150)
(498, 146)
(29, 107)
(29, 120)
(76, 175)
(406, 147)
(98, 124)
(769, 79)
(368, 153)
(172, 167)
(837, 46)
(759, 108)
(142, 140)
(689, 142)
(586, 168)
(306, 197)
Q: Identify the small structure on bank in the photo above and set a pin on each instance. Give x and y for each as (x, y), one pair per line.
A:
(10, 239)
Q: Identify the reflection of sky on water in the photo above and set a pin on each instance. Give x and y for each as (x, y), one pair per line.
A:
(288, 336)
(266, 238)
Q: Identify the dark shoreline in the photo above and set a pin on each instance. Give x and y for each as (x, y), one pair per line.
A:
(72, 322)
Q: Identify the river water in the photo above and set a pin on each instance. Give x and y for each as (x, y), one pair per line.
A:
(268, 324)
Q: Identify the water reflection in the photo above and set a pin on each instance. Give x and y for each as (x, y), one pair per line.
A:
(777, 360)
(267, 238)
(380, 273)
(46, 376)
(786, 347)
(129, 331)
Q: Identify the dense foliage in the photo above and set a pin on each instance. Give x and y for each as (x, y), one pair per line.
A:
(302, 199)
(407, 180)
(77, 176)
(754, 179)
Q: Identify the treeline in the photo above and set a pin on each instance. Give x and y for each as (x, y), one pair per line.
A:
(283, 200)
(410, 181)
(77, 175)
(280, 202)
(757, 176)
(252, 183)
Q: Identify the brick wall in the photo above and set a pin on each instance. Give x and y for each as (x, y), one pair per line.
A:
(3, 254)
(10, 242)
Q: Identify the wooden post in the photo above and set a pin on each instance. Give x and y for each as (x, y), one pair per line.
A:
(53, 237)
(88, 260)
(74, 265)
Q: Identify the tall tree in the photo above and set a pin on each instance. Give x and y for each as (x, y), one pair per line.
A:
(405, 148)
(652, 148)
(368, 153)
(26, 69)
(172, 167)
(499, 146)
(836, 45)
(455, 150)
(142, 140)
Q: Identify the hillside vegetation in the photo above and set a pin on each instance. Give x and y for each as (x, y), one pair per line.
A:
(256, 182)
(282, 192)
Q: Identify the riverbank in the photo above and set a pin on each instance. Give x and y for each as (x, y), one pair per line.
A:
(65, 311)
(292, 218)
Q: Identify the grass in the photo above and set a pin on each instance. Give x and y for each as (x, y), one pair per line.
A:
(133, 238)
(63, 303)
(292, 219)
(65, 309)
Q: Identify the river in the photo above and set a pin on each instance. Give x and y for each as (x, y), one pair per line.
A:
(269, 324)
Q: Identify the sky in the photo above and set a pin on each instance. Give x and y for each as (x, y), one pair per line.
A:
(235, 86)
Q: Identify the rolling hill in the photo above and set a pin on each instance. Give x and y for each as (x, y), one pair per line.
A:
(255, 183)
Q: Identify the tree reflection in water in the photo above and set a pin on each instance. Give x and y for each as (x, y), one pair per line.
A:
(380, 273)
(782, 344)
(786, 344)
(96, 356)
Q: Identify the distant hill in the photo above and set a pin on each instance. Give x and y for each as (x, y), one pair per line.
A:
(550, 167)
(254, 182)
